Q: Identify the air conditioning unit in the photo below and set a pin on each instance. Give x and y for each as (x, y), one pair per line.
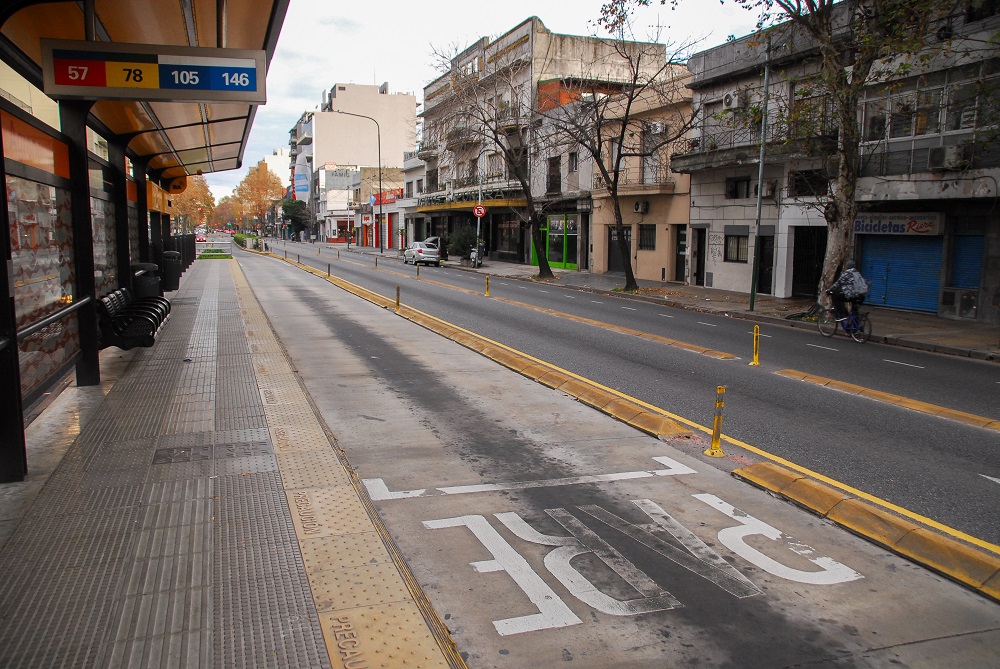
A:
(949, 158)
(656, 128)
(641, 207)
(731, 100)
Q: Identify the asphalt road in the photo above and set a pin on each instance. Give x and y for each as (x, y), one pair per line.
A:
(544, 532)
(934, 467)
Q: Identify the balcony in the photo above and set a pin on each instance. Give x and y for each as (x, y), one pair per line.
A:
(428, 150)
(726, 147)
(461, 136)
(651, 180)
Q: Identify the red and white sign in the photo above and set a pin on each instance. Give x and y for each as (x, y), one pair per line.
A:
(479, 211)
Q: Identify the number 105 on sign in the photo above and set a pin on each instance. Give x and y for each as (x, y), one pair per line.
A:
(208, 78)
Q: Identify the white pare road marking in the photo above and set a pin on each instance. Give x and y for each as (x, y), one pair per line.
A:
(733, 538)
(711, 325)
(825, 348)
(552, 611)
(990, 478)
(904, 364)
(379, 491)
(664, 535)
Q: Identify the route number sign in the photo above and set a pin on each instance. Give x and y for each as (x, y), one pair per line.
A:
(118, 71)
(479, 211)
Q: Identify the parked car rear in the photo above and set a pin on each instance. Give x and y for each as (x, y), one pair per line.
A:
(422, 252)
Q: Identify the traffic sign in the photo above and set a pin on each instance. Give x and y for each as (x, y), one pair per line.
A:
(118, 71)
(479, 211)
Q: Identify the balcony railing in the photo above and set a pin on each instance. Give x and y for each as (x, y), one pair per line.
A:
(636, 178)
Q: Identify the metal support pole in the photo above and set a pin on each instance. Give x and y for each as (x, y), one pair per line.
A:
(715, 451)
(328, 269)
(376, 262)
(760, 179)
(397, 299)
(487, 285)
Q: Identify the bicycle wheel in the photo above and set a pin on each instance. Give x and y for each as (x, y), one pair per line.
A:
(827, 323)
(864, 330)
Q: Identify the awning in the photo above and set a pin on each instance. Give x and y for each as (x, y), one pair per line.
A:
(176, 138)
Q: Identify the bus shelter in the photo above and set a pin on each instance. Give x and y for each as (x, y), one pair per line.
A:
(125, 100)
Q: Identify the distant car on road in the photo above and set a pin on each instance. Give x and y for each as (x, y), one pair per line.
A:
(422, 252)
(200, 238)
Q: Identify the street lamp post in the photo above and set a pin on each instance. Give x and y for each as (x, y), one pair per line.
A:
(378, 136)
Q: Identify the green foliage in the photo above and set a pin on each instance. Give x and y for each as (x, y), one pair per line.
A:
(242, 240)
(296, 212)
(220, 255)
(461, 241)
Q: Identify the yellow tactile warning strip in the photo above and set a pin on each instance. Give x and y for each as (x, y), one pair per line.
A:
(972, 567)
(898, 400)
(371, 609)
(639, 415)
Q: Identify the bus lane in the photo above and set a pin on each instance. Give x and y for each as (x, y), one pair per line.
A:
(543, 531)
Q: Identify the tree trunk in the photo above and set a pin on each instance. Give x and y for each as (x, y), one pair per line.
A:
(544, 271)
(624, 247)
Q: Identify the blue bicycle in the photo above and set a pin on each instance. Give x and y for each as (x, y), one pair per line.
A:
(857, 324)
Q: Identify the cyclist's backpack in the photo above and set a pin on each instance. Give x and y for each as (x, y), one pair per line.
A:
(859, 286)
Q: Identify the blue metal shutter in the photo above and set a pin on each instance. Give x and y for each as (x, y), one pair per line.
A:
(905, 272)
(966, 261)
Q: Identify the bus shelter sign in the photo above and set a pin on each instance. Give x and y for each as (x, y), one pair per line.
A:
(118, 71)
(925, 224)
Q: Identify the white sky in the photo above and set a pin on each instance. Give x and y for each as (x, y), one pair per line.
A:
(324, 42)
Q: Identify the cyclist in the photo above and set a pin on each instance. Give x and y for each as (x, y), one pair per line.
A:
(851, 287)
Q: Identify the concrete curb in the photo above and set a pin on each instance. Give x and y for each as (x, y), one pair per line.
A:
(974, 568)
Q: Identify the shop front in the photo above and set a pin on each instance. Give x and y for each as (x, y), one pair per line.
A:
(560, 236)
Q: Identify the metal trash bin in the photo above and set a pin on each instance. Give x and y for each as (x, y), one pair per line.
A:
(171, 270)
(146, 284)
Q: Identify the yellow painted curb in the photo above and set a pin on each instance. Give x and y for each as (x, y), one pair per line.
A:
(813, 495)
(972, 567)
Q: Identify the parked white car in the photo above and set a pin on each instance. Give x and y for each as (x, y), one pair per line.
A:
(422, 252)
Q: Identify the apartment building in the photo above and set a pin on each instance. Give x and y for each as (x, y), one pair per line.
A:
(928, 233)
(486, 141)
(356, 127)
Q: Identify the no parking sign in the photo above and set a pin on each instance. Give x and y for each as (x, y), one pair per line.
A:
(479, 211)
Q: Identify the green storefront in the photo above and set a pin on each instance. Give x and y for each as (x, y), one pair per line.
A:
(560, 236)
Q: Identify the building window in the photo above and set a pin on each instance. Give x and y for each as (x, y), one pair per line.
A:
(494, 165)
(553, 183)
(736, 248)
(573, 162)
(647, 237)
(420, 186)
(409, 189)
(808, 183)
(738, 188)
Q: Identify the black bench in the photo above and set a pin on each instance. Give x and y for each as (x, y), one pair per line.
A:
(129, 322)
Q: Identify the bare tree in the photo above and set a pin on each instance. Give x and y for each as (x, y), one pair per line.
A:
(625, 115)
(859, 43)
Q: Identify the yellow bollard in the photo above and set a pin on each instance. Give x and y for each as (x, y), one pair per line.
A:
(298, 259)
(338, 255)
(720, 401)
(397, 299)
(487, 285)
(418, 271)
(376, 262)
(756, 346)
(328, 269)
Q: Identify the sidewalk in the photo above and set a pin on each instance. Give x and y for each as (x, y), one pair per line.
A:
(910, 329)
(193, 511)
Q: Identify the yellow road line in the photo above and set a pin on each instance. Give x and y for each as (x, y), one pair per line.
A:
(898, 400)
